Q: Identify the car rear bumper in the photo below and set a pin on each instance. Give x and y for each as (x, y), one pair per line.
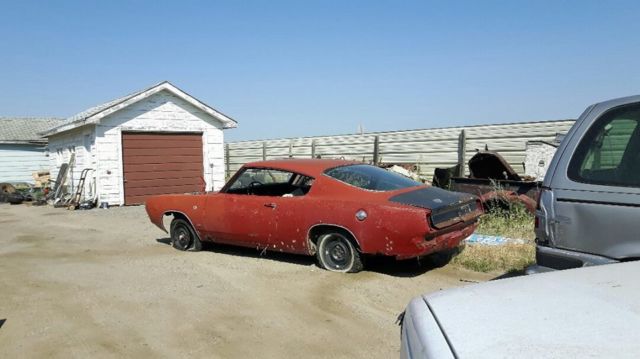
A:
(441, 241)
(548, 258)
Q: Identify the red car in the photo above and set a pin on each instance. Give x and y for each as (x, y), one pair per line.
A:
(337, 210)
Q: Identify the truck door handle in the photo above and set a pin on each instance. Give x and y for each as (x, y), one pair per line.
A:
(270, 205)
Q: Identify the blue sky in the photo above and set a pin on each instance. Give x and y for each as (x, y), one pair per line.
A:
(305, 68)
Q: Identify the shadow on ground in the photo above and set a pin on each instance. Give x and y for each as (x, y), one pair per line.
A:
(377, 264)
(510, 274)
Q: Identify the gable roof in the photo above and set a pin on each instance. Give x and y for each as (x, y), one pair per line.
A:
(96, 113)
(26, 130)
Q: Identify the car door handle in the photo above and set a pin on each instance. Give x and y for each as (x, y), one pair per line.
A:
(270, 205)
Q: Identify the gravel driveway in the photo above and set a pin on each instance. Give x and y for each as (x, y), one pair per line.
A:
(104, 283)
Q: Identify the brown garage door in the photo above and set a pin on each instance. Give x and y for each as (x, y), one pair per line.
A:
(156, 163)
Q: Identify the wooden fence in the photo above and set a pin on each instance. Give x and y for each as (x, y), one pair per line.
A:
(427, 148)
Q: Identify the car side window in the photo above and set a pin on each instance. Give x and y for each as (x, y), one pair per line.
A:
(270, 182)
(252, 177)
(609, 154)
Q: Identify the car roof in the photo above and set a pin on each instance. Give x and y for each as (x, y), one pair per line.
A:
(570, 313)
(309, 167)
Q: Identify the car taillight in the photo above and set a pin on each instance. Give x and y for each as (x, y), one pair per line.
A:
(542, 189)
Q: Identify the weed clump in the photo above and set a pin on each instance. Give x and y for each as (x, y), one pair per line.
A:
(511, 220)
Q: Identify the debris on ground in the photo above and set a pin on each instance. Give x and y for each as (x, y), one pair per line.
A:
(492, 240)
(41, 179)
(9, 194)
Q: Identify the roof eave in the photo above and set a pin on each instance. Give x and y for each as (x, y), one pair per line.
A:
(23, 142)
(63, 128)
(226, 121)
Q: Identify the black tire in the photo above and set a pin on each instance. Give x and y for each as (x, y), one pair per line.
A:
(337, 253)
(183, 237)
(442, 258)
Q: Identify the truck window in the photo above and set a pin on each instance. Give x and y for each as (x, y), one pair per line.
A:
(609, 154)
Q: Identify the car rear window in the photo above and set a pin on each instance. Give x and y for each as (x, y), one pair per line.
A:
(371, 178)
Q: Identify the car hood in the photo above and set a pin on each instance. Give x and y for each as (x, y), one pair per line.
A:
(592, 311)
(491, 165)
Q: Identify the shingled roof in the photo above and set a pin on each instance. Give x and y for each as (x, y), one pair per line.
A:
(96, 113)
(26, 130)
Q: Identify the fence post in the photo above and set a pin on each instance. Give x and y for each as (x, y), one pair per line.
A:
(226, 161)
(313, 148)
(462, 149)
(376, 150)
(290, 148)
(264, 151)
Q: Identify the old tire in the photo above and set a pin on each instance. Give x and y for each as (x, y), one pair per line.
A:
(183, 237)
(442, 258)
(337, 253)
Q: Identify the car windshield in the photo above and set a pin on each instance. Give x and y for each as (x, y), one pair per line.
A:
(371, 178)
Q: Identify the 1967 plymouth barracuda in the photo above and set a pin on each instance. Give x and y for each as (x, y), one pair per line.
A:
(334, 209)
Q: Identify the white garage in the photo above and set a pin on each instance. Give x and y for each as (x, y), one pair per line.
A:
(156, 141)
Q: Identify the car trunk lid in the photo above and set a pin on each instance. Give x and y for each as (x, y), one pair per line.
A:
(447, 207)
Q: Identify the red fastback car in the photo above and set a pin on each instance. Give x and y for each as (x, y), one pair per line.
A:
(337, 210)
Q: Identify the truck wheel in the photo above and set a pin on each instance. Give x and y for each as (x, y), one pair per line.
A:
(336, 253)
(183, 237)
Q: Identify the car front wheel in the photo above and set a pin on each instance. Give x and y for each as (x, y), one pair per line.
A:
(337, 253)
(183, 237)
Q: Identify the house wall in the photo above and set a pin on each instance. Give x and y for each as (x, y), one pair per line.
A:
(162, 112)
(18, 162)
(81, 142)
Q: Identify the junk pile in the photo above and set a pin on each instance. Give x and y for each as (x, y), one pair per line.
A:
(41, 179)
(63, 192)
(493, 180)
(81, 196)
(9, 194)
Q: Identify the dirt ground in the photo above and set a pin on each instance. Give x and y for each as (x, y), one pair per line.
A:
(104, 283)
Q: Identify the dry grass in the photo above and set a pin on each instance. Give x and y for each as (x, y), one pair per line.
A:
(514, 223)
(504, 258)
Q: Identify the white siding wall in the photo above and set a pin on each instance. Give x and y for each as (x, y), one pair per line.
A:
(162, 112)
(18, 162)
(537, 158)
(81, 142)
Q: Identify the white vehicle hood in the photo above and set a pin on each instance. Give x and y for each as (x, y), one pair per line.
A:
(585, 312)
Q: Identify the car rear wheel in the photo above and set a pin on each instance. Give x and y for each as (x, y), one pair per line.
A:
(183, 237)
(336, 253)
